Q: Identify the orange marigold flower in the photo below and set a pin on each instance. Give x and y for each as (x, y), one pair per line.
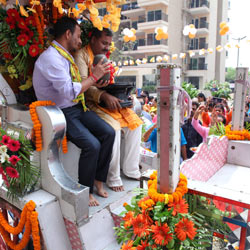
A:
(161, 234)
(179, 207)
(128, 219)
(185, 228)
(125, 204)
(140, 225)
(143, 245)
(128, 246)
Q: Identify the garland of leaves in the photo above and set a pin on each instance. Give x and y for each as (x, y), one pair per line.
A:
(86, 28)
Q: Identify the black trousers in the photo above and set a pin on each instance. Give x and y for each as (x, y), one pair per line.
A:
(95, 138)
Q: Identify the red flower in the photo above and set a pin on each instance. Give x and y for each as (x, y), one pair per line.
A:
(1, 170)
(13, 145)
(179, 207)
(13, 13)
(140, 226)
(5, 139)
(143, 245)
(128, 218)
(33, 50)
(90, 34)
(14, 160)
(11, 172)
(22, 39)
(161, 234)
(21, 24)
(29, 33)
(30, 21)
(128, 246)
(11, 22)
(7, 56)
(108, 54)
(185, 228)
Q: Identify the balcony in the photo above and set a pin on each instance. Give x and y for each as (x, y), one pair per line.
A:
(200, 66)
(145, 46)
(199, 7)
(202, 28)
(197, 46)
(132, 9)
(144, 3)
(150, 22)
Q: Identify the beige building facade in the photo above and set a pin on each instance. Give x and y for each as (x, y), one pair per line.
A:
(146, 15)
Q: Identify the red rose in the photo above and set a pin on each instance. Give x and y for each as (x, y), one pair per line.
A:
(22, 39)
(33, 50)
(22, 25)
(30, 21)
(13, 13)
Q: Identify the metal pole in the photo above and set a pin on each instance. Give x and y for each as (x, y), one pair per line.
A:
(238, 53)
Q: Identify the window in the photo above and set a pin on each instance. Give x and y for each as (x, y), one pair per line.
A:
(194, 44)
(154, 15)
(202, 43)
(195, 81)
(125, 79)
(150, 39)
(149, 80)
(193, 64)
(134, 25)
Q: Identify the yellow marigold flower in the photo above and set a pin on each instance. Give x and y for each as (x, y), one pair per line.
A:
(3, 2)
(166, 199)
(81, 6)
(56, 3)
(35, 2)
(23, 12)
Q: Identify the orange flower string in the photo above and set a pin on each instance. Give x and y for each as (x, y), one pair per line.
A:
(38, 127)
(29, 219)
(180, 190)
(237, 134)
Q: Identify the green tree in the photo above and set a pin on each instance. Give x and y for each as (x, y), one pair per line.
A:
(231, 74)
(221, 90)
(190, 89)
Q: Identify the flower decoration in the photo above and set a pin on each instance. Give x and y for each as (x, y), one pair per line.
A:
(237, 134)
(191, 53)
(152, 59)
(182, 55)
(18, 172)
(219, 48)
(165, 58)
(159, 221)
(144, 60)
(210, 50)
(174, 56)
(138, 61)
(190, 31)
(202, 52)
(224, 28)
(22, 40)
(159, 59)
(161, 33)
(129, 35)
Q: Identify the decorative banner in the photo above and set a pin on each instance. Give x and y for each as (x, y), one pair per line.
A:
(129, 35)
(161, 33)
(190, 31)
(224, 28)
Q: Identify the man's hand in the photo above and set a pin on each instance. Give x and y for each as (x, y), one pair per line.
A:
(101, 84)
(110, 101)
(101, 69)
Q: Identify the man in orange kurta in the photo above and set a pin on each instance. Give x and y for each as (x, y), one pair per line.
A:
(126, 123)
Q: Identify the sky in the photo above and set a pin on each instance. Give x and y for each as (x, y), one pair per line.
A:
(239, 24)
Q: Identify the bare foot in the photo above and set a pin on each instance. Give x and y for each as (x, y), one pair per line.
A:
(117, 189)
(93, 202)
(100, 190)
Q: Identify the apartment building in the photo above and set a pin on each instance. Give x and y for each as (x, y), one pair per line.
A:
(146, 15)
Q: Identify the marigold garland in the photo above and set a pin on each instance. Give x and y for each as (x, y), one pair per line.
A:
(180, 190)
(29, 218)
(237, 134)
(38, 127)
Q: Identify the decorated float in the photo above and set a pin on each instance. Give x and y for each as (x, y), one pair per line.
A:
(42, 204)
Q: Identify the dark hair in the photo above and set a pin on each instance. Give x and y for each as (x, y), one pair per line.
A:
(146, 93)
(211, 104)
(63, 24)
(151, 98)
(201, 95)
(155, 99)
(223, 118)
(220, 106)
(98, 33)
(196, 104)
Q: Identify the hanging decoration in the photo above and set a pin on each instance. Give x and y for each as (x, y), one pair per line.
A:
(144, 60)
(219, 48)
(210, 50)
(224, 28)
(202, 52)
(191, 53)
(152, 60)
(165, 58)
(138, 61)
(174, 56)
(182, 55)
(129, 35)
(159, 59)
(161, 33)
(190, 31)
